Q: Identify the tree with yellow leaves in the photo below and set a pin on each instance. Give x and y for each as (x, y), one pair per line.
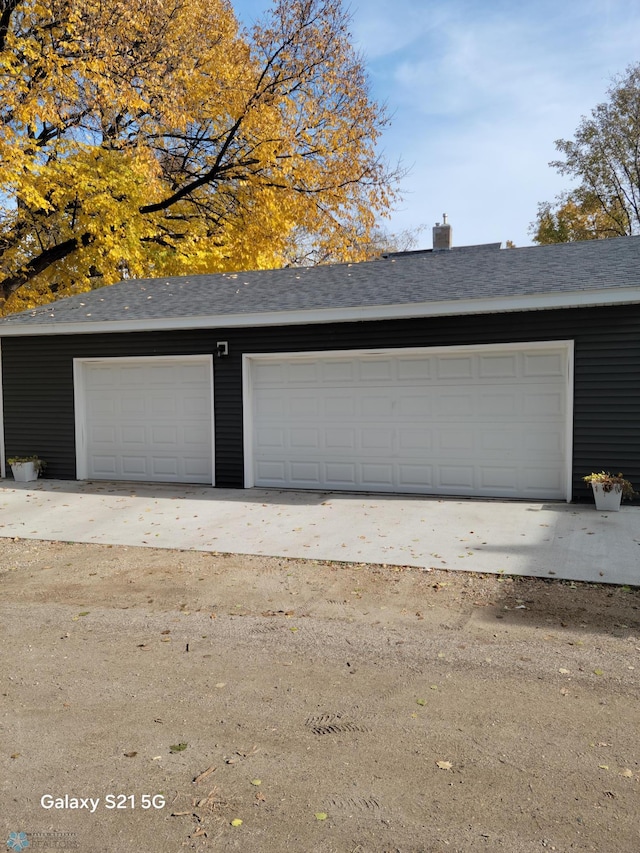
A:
(155, 137)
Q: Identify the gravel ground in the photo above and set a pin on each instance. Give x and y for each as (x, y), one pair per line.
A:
(161, 700)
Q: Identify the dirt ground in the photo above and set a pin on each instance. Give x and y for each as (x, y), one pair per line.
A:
(157, 700)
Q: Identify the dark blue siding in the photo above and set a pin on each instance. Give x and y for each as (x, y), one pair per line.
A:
(38, 380)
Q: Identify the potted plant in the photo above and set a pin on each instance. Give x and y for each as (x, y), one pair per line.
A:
(26, 468)
(609, 489)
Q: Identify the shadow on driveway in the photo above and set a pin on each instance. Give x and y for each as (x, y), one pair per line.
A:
(550, 540)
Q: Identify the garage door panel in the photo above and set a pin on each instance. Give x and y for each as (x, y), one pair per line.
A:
(413, 368)
(485, 422)
(499, 440)
(340, 406)
(549, 441)
(376, 405)
(340, 438)
(303, 372)
(269, 405)
(412, 476)
(377, 474)
(448, 404)
(337, 371)
(341, 474)
(103, 434)
(505, 405)
(457, 439)
(163, 406)
(165, 467)
(376, 370)
(98, 406)
(134, 466)
(305, 472)
(129, 436)
(538, 406)
(304, 438)
(197, 435)
(413, 441)
(498, 366)
(502, 477)
(105, 466)
(195, 469)
(456, 477)
(543, 364)
(148, 420)
(265, 373)
(454, 367)
(128, 405)
(382, 438)
(416, 404)
(195, 374)
(270, 437)
(542, 479)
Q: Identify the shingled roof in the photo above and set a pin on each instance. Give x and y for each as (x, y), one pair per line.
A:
(465, 280)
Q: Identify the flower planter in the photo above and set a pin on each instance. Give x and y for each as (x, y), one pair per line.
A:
(24, 472)
(607, 501)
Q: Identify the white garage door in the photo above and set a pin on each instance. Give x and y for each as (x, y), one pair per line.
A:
(145, 419)
(482, 421)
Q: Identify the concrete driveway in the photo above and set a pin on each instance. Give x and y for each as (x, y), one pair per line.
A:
(552, 540)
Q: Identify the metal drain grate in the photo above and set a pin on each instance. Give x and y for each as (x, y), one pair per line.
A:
(333, 724)
(355, 804)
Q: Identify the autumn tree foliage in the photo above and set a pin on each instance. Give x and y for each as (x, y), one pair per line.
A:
(156, 137)
(604, 159)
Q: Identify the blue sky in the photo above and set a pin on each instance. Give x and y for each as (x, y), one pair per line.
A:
(478, 91)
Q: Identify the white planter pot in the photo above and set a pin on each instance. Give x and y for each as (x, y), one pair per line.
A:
(24, 472)
(608, 501)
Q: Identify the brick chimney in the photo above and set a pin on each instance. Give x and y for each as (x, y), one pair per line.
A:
(442, 235)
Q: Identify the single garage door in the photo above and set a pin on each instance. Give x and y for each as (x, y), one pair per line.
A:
(478, 421)
(145, 419)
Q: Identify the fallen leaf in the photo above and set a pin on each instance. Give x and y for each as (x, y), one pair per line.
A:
(603, 766)
(236, 822)
(256, 781)
(321, 815)
(421, 701)
(598, 672)
(130, 754)
(17, 755)
(628, 774)
(564, 671)
(444, 765)
(178, 747)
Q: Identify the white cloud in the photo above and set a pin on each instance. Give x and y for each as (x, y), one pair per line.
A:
(478, 91)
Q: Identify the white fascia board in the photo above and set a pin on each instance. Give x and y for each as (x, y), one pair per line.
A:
(453, 307)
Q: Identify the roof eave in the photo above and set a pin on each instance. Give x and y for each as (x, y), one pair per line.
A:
(453, 307)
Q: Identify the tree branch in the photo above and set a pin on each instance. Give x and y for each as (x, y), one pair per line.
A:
(40, 263)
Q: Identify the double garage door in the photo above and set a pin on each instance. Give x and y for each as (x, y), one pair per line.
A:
(484, 421)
